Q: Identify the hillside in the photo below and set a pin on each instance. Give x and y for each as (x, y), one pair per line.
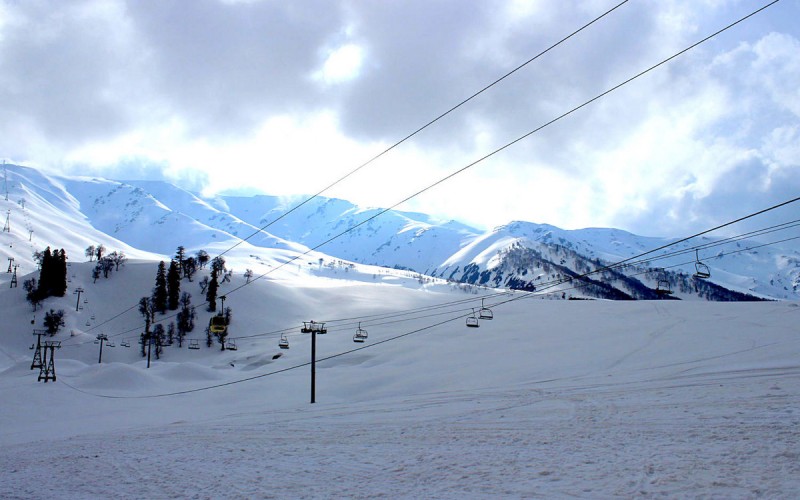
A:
(550, 398)
(147, 218)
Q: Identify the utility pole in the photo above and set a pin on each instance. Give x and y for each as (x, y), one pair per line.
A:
(78, 291)
(102, 337)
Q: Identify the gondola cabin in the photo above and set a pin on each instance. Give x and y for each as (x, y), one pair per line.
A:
(217, 324)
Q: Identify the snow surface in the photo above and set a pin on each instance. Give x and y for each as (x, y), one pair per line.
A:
(587, 399)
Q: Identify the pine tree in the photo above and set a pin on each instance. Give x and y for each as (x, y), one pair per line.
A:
(60, 274)
(180, 256)
(160, 290)
(185, 317)
(146, 309)
(211, 292)
(173, 286)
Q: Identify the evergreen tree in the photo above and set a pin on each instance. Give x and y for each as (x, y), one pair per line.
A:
(60, 276)
(180, 256)
(53, 321)
(171, 333)
(146, 309)
(46, 273)
(159, 339)
(185, 317)
(189, 267)
(211, 292)
(173, 286)
(160, 290)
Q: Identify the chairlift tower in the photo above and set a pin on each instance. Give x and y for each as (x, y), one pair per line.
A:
(10, 262)
(7, 226)
(78, 291)
(14, 277)
(48, 369)
(102, 337)
(313, 328)
(37, 354)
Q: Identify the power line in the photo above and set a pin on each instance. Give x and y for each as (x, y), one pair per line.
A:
(383, 341)
(524, 136)
(431, 122)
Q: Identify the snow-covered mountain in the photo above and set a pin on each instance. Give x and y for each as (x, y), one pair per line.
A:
(153, 217)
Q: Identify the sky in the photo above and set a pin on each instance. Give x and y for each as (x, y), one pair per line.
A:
(284, 98)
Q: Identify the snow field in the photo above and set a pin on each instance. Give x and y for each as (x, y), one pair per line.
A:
(587, 399)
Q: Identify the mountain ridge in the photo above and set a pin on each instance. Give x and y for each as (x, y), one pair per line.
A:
(152, 218)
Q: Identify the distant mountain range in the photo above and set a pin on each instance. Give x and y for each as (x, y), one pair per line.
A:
(150, 219)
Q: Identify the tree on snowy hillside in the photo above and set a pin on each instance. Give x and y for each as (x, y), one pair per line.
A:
(118, 258)
(147, 310)
(99, 251)
(159, 339)
(180, 256)
(217, 265)
(90, 250)
(53, 321)
(32, 293)
(52, 274)
(189, 267)
(173, 286)
(211, 293)
(202, 258)
(160, 290)
(185, 317)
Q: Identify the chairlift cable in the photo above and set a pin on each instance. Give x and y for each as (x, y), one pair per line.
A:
(508, 145)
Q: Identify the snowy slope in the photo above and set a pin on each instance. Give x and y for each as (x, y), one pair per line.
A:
(158, 217)
(587, 399)
(551, 398)
(41, 212)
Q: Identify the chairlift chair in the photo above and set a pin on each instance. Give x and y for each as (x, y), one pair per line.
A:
(701, 270)
(361, 334)
(110, 343)
(472, 321)
(283, 343)
(663, 288)
(125, 343)
(194, 344)
(485, 312)
(231, 345)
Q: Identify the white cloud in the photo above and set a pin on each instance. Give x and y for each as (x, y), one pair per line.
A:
(341, 64)
(288, 97)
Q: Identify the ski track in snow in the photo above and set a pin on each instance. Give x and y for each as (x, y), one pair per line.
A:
(723, 435)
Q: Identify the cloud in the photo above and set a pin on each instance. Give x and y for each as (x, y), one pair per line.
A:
(289, 96)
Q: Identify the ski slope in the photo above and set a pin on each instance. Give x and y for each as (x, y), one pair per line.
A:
(587, 399)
